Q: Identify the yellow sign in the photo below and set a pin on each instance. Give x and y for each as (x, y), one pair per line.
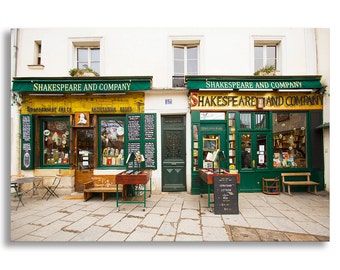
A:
(222, 101)
(94, 104)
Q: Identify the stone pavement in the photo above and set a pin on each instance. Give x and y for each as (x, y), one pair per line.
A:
(170, 217)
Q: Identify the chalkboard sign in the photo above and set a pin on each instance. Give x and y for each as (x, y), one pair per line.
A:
(27, 142)
(149, 124)
(134, 129)
(142, 137)
(225, 195)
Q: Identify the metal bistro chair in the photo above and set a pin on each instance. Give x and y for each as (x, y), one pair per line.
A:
(15, 191)
(51, 188)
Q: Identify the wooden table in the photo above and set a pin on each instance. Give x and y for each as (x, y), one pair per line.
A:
(207, 175)
(134, 177)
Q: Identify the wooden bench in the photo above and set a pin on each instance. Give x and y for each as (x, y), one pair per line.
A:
(296, 182)
(103, 184)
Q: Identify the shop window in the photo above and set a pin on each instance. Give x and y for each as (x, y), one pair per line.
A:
(56, 142)
(289, 135)
(185, 61)
(88, 58)
(245, 120)
(112, 141)
(253, 120)
(266, 55)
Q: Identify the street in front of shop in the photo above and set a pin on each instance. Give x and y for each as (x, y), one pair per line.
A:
(172, 217)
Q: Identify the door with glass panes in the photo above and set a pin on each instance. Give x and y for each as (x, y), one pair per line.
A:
(84, 156)
(253, 149)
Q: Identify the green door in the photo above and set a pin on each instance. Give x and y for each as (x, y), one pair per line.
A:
(253, 149)
(253, 159)
(173, 153)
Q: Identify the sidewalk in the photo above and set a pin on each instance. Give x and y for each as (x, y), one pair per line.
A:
(171, 217)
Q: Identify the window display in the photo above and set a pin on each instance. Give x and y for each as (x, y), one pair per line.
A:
(289, 139)
(112, 142)
(56, 142)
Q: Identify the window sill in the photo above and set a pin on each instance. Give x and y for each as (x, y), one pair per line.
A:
(38, 67)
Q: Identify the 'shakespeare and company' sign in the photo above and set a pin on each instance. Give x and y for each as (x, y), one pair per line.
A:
(220, 101)
(54, 86)
(253, 82)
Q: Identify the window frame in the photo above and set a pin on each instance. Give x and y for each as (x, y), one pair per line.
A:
(93, 43)
(43, 120)
(265, 42)
(185, 44)
(100, 152)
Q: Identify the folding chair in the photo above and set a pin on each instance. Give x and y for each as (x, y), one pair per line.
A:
(50, 188)
(15, 191)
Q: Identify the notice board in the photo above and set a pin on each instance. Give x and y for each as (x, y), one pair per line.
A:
(225, 194)
(27, 142)
(142, 137)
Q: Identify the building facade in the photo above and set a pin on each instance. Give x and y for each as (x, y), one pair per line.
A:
(83, 99)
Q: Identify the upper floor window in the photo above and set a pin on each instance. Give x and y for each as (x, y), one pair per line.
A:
(87, 53)
(185, 61)
(266, 55)
(88, 58)
(37, 52)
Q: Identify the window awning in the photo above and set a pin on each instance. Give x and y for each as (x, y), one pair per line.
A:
(56, 85)
(256, 83)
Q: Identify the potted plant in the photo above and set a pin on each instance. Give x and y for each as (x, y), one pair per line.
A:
(267, 70)
(85, 72)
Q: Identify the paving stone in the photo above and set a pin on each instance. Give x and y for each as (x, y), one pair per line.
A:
(93, 233)
(294, 237)
(111, 236)
(61, 236)
(126, 225)
(153, 220)
(168, 228)
(46, 231)
(188, 238)
(163, 238)
(189, 226)
(81, 225)
(190, 213)
(160, 210)
(24, 230)
(75, 215)
(272, 236)
(142, 234)
(214, 234)
(110, 220)
(173, 216)
(241, 234)
(213, 221)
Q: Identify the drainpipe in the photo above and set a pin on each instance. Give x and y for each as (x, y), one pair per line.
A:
(15, 109)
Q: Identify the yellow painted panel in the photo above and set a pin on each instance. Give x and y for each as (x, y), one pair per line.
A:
(94, 104)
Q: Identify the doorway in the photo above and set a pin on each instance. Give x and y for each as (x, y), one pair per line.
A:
(84, 156)
(173, 153)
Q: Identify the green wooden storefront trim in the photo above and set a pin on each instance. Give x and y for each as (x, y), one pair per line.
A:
(253, 82)
(60, 85)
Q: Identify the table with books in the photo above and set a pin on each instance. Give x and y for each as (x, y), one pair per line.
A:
(136, 178)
